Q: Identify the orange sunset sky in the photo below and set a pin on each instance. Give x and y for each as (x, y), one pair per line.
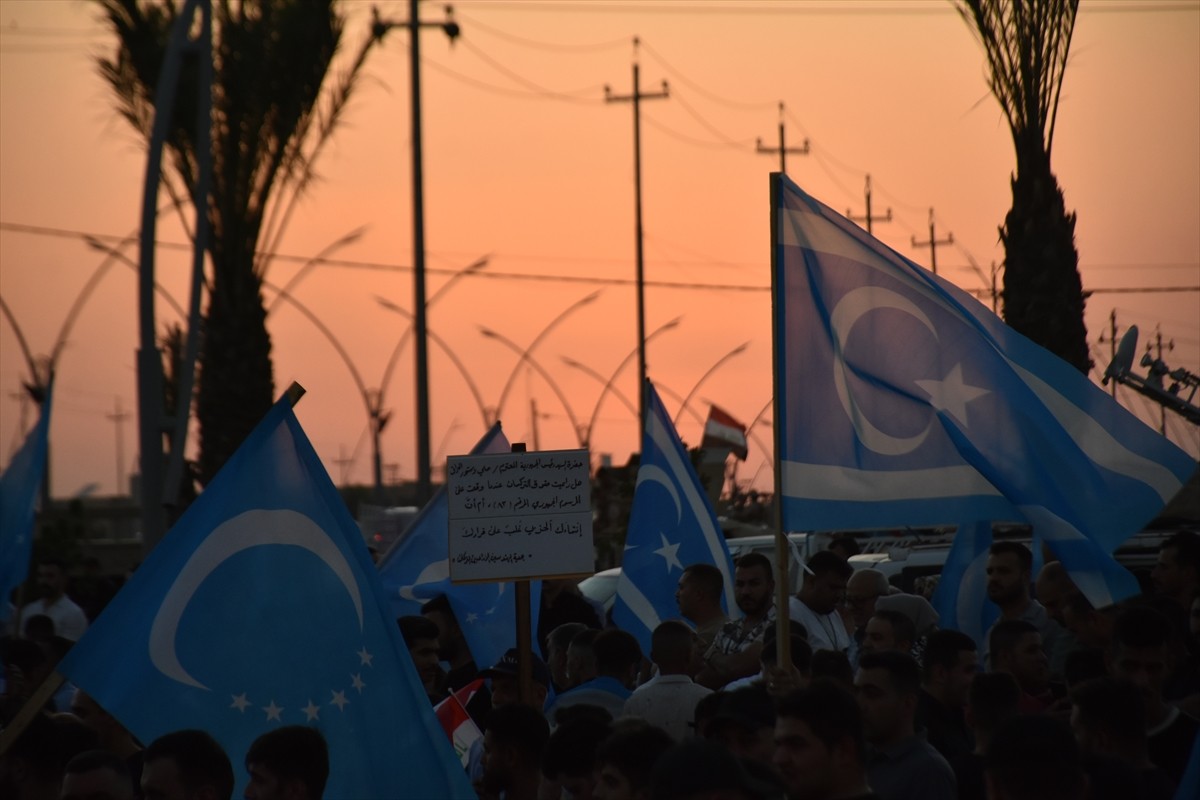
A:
(526, 163)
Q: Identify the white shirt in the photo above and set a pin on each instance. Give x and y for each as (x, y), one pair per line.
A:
(825, 631)
(668, 702)
(69, 620)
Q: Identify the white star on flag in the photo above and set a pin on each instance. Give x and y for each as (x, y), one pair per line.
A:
(273, 712)
(357, 682)
(339, 700)
(311, 711)
(670, 553)
(240, 702)
(951, 394)
(365, 656)
(472, 618)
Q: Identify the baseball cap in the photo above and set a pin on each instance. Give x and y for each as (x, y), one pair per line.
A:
(507, 667)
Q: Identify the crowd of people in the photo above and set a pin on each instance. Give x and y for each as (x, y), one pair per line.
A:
(871, 699)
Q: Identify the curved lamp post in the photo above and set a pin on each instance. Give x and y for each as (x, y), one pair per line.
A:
(741, 348)
(562, 398)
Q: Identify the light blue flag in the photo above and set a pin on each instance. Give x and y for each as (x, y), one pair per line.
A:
(906, 402)
(961, 596)
(261, 608)
(671, 526)
(20, 488)
(417, 570)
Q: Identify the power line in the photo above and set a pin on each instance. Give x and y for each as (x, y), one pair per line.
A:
(841, 8)
(548, 46)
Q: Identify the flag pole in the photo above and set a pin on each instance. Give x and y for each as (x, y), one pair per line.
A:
(783, 642)
(524, 610)
(56, 679)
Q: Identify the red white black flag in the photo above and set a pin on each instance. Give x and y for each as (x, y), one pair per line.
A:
(724, 432)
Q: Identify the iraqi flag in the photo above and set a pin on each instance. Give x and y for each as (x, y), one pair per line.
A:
(460, 729)
(722, 431)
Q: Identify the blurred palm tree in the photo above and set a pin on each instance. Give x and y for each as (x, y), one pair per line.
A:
(1026, 43)
(275, 107)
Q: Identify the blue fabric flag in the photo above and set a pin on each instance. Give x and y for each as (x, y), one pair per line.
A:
(904, 401)
(961, 596)
(671, 526)
(417, 570)
(260, 608)
(20, 486)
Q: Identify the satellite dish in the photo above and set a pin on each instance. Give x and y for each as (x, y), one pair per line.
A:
(1123, 361)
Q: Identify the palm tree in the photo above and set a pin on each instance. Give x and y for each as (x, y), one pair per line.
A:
(1026, 43)
(272, 115)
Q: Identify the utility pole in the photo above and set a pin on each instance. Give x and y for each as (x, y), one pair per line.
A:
(420, 326)
(636, 98)
(1158, 352)
(343, 463)
(933, 243)
(118, 417)
(1112, 344)
(783, 149)
(867, 218)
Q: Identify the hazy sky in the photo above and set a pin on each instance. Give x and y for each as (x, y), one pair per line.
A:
(526, 163)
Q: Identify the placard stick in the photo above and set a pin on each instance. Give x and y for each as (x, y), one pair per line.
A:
(524, 630)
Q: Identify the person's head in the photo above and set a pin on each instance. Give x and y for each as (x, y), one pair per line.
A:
(673, 647)
(819, 746)
(753, 584)
(1090, 626)
(1009, 565)
(108, 730)
(420, 635)
(288, 763)
(1054, 587)
(1177, 573)
(700, 769)
(1016, 648)
(699, 592)
(618, 655)
(886, 687)
(39, 628)
(1141, 652)
(625, 760)
(992, 698)
(863, 588)
(452, 646)
(706, 709)
(888, 630)
(833, 665)
(569, 757)
(745, 724)
(920, 612)
(581, 658)
(186, 765)
(505, 675)
(557, 644)
(825, 581)
(1034, 758)
(97, 775)
(948, 664)
(1108, 717)
(512, 747)
(51, 578)
(844, 546)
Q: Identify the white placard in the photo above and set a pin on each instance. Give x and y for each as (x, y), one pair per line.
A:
(520, 515)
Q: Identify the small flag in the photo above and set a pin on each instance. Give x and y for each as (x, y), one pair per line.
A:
(262, 608)
(20, 488)
(417, 570)
(723, 432)
(904, 401)
(460, 729)
(671, 526)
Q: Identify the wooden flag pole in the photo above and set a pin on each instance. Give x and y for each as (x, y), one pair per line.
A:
(524, 629)
(783, 641)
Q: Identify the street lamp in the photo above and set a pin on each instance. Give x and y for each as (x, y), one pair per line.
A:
(741, 348)
(528, 351)
(608, 387)
(516, 348)
(379, 29)
(450, 354)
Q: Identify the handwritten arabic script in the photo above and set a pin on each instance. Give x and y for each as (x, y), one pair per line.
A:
(520, 515)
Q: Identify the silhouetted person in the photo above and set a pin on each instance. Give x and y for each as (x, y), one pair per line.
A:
(558, 644)
(951, 662)
(701, 587)
(820, 750)
(96, 775)
(420, 636)
(668, 700)
(186, 765)
(569, 758)
(69, 620)
(288, 763)
(888, 630)
(735, 650)
(1108, 718)
(618, 657)
(815, 606)
(625, 760)
(1009, 573)
(991, 700)
(1016, 648)
(452, 645)
(512, 752)
(1034, 758)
